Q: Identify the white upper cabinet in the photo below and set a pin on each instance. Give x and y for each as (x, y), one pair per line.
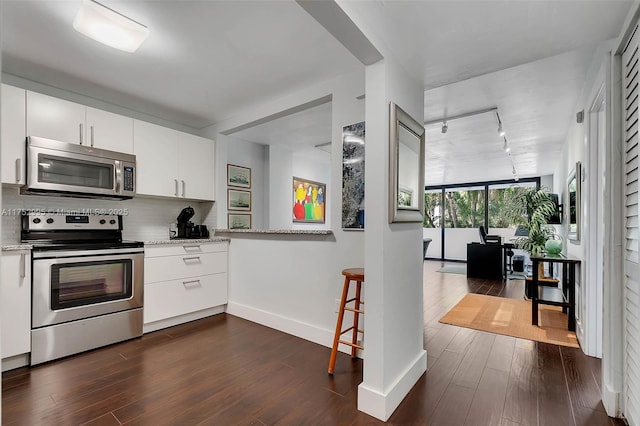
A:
(65, 121)
(13, 128)
(172, 163)
(156, 150)
(196, 167)
(54, 118)
(110, 131)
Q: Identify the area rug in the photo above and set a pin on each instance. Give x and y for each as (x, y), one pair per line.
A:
(511, 317)
(454, 269)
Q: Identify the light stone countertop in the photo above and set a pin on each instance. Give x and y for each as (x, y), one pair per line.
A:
(186, 241)
(16, 246)
(276, 231)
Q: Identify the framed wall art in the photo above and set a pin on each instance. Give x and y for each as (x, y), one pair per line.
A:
(308, 200)
(239, 220)
(238, 176)
(353, 176)
(238, 199)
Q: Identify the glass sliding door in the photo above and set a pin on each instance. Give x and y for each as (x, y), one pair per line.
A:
(464, 213)
(500, 221)
(432, 226)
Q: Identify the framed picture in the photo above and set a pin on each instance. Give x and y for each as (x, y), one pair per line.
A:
(353, 176)
(238, 199)
(308, 200)
(238, 176)
(239, 220)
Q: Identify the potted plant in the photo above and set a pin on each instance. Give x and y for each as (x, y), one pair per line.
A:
(531, 208)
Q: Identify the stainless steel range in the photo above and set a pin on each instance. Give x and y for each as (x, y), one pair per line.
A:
(87, 283)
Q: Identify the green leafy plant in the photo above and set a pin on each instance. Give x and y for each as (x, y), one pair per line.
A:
(536, 205)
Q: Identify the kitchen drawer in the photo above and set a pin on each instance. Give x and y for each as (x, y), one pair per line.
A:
(187, 265)
(168, 299)
(186, 248)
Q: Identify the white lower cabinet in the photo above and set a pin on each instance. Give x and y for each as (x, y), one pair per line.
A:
(15, 300)
(183, 282)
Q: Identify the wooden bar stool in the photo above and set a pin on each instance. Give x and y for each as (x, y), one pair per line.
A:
(357, 275)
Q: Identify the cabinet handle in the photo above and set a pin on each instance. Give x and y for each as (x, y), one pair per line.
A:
(195, 282)
(183, 188)
(23, 266)
(176, 181)
(185, 259)
(91, 135)
(18, 170)
(80, 133)
(194, 247)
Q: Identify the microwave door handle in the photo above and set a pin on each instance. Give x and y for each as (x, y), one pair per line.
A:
(118, 175)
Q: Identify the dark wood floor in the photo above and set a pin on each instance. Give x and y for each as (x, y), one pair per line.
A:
(226, 371)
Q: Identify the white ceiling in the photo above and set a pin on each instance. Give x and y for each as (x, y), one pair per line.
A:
(206, 60)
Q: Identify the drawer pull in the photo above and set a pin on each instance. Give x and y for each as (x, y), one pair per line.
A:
(192, 283)
(193, 248)
(186, 259)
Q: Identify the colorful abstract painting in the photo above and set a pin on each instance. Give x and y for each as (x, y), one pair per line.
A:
(353, 176)
(308, 201)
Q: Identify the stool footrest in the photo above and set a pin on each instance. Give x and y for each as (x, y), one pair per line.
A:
(349, 329)
(360, 311)
(352, 299)
(353, 345)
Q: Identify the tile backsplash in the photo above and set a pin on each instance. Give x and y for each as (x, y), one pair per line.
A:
(143, 219)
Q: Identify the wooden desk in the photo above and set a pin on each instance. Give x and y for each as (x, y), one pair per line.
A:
(565, 297)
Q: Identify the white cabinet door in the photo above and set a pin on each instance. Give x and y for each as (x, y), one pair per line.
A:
(156, 150)
(110, 131)
(13, 127)
(54, 118)
(196, 167)
(15, 295)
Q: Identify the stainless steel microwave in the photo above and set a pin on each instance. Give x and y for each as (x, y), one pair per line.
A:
(66, 169)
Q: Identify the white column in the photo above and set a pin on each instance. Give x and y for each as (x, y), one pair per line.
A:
(394, 358)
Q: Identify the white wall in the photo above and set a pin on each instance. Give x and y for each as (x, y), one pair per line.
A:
(280, 168)
(291, 282)
(254, 156)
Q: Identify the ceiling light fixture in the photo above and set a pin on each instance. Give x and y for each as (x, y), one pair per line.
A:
(445, 127)
(109, 27)
(506, 146)
(501, 131)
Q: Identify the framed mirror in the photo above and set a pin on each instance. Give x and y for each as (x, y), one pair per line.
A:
(573, 194)
(406, 167)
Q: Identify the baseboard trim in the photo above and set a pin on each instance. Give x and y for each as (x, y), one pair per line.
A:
(14, 362)
(281, 323)
(611, 401)
(381, 405)
(181, 319)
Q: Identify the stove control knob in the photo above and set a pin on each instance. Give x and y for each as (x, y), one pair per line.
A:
(36, 220)
(50, 221)
(112, 221)
(102, 221)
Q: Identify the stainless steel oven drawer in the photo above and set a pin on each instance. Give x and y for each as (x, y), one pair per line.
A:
(61, 340)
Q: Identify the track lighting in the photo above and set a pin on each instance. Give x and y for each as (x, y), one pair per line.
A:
(501, 131)
(506, 146)
(445, 127)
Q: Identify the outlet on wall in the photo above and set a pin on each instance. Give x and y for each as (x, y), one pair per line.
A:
(336, 306)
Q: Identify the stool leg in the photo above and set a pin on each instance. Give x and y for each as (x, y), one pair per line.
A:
(334, 349)
(356, 317)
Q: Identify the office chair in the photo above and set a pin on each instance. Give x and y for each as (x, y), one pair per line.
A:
(488, 239)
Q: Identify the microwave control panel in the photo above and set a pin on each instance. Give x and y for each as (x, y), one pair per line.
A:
(128, 184)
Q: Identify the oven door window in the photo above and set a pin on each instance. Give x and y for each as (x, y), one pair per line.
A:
(87, 283)
(64, 171)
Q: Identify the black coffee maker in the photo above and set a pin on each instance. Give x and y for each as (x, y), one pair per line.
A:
(187, 229)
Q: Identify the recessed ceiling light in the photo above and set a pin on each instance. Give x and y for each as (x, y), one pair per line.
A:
(109, 27)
